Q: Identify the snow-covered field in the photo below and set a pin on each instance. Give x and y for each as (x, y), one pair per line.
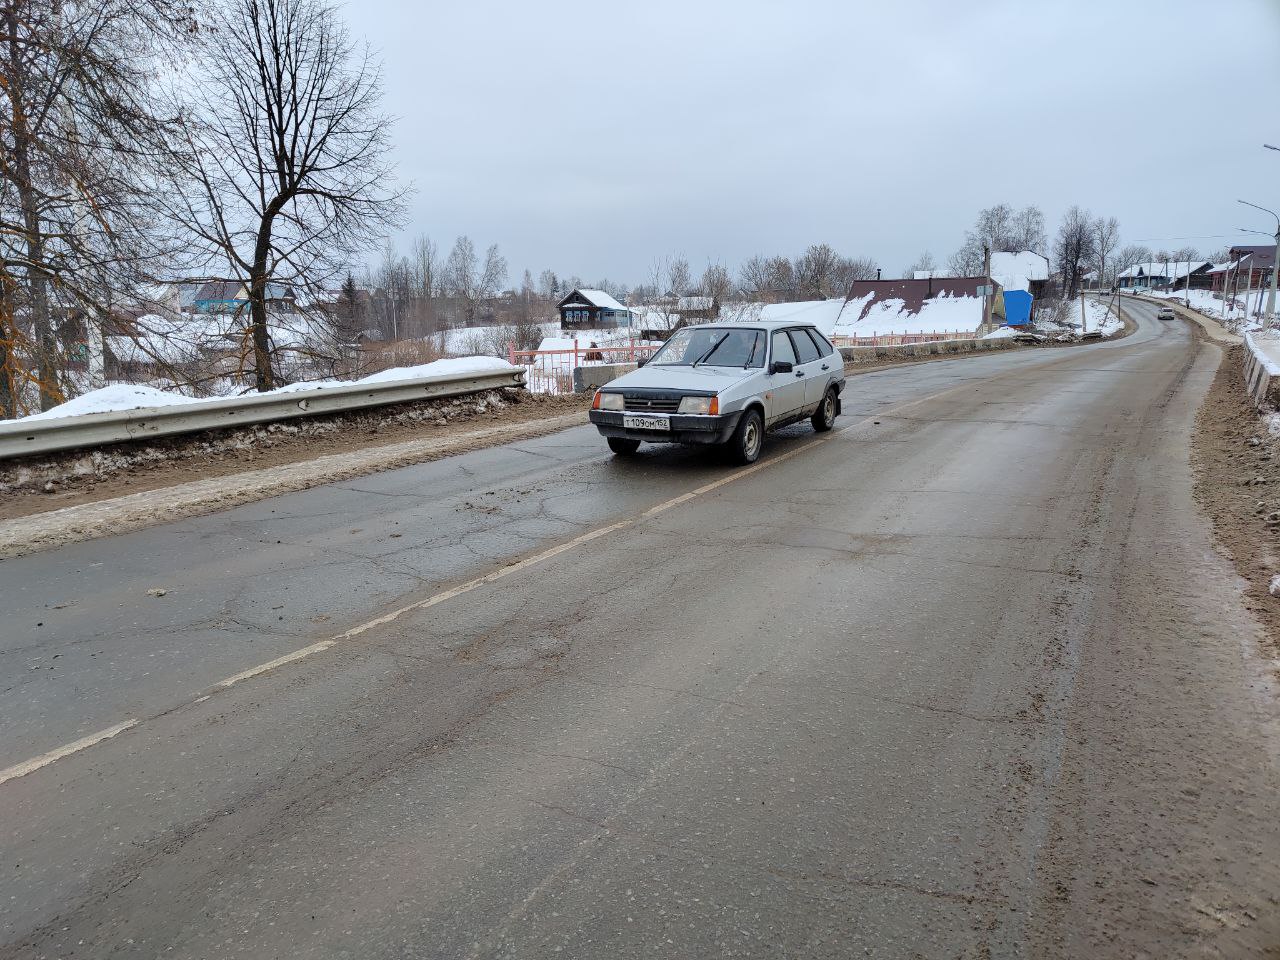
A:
(129, 396)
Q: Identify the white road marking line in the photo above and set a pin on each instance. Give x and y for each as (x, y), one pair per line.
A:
(34, 764)
(22, 769)
(272, 664)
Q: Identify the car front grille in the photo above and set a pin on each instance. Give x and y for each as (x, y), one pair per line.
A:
(644, 404)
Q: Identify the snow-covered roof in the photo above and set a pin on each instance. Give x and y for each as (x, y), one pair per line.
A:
(869, 316)
(597, 298)
(1172, 270)
(823, 314)
(1017, 271)
(1229, 265)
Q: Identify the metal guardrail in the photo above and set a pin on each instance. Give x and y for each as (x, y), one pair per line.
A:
(95, 429)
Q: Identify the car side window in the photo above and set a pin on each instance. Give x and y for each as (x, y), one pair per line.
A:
(782, 350)
(804, 346)
(824, 345)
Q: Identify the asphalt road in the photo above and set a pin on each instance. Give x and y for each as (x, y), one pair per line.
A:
(964, 678)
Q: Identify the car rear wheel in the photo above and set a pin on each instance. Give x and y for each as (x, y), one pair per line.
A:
(824, 418)
(622, 446)
(748, 439)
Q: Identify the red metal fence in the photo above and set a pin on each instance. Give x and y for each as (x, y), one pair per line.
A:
(902, 339)
(551, 371)
(579, 354)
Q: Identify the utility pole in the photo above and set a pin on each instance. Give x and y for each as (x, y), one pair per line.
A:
(1275, 280)
(1275, 268)
(1084, 326)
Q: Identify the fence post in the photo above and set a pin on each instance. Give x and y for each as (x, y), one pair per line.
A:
(511, 352)
(575, 353)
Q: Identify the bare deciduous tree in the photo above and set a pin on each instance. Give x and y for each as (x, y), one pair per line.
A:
(426, 265)
(816, 271)
(768, 277)
(469, 279)
(288, 149)
(1106, 235)
(998, 229)
(849, 269)
(81, 145)
(715, 282)
(923, 262)
(1129, 256)
(1074, 247)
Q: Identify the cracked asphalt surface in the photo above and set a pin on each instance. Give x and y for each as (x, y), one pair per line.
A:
(966, 680)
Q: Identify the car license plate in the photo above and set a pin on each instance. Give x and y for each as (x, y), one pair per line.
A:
(646, 423)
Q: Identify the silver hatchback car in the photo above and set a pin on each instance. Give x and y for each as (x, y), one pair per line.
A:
(724, 383)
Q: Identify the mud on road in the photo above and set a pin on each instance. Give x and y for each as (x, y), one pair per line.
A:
(1236, 457)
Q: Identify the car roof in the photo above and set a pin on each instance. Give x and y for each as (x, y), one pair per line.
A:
(751, 324)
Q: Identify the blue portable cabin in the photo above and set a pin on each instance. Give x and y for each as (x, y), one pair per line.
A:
(1017, 307)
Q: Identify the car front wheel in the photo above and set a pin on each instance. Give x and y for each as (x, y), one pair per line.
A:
(622, 446)
(824, 418)
(748, 439)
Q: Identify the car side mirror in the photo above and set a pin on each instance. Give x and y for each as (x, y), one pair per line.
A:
(641, 361)
(781, 366)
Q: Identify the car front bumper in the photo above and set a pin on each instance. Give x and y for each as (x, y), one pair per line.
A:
(685, 428)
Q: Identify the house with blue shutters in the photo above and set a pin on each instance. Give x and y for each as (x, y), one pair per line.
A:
(232, 297)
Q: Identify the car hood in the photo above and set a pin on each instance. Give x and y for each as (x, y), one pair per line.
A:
(681, 378)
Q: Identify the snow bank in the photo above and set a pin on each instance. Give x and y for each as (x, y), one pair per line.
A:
(1266, 350)
(437, 368)
(117, 396)
(128, 396)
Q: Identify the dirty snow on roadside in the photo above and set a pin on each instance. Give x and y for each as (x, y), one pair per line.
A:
(128, 396)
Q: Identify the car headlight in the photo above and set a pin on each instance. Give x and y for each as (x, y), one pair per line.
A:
(609, 401)
(701, 405)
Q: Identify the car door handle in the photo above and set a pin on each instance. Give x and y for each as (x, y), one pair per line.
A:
(799, 373)
(825, 367)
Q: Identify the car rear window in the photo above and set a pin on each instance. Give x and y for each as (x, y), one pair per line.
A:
(804, 346)
(824, 345)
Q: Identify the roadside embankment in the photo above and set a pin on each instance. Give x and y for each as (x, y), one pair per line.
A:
(1236, 456)
(1262, 369)
(40, 483)
(912, 351)
(171, 499)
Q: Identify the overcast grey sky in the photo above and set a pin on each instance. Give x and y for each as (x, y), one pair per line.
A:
(590, 137)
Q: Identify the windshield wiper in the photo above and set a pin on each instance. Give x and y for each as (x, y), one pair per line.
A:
(755, 345)
(714, 347)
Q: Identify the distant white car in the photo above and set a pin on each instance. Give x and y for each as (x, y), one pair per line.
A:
(1166, 313)
(724, 383)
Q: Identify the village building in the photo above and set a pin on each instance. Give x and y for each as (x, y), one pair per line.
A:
(1249, 268)
(928, 306)
(698, 309)
(232, 296)
(592, 310)
(1167, 275)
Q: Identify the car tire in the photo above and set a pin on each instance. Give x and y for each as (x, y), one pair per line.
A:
(622, 446)
(824, 418)
(748, 438)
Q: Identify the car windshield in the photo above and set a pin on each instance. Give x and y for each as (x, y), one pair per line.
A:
(713, 346)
